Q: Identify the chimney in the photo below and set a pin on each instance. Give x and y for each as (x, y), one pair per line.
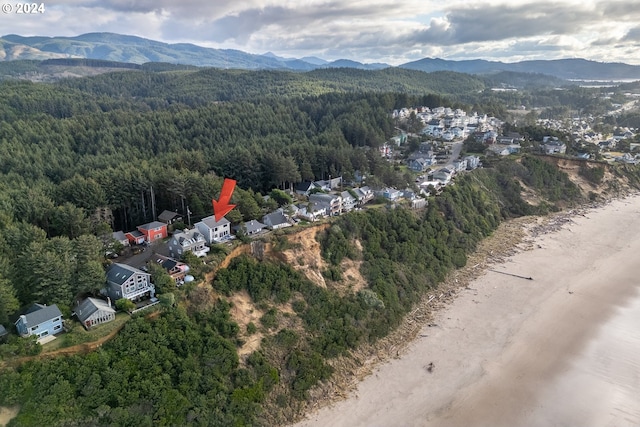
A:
(109, 301)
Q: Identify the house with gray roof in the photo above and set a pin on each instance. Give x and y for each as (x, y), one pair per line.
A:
(348, 201)
(40, 320)
(333, 202)
(253, 227)
(363, 194)
(169, 217)
(188, 241)
(276, 220)
(124, 281)
(119, 237)
(311, 211)
(214, 231)
(92, 312)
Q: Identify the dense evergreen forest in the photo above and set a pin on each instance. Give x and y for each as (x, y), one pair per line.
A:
(81, 158)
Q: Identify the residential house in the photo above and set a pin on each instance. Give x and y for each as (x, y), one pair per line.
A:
(276, 220)
(92, 312)
(554, 147)
(124, 281)
(459, 165)
(311, 211)
(420, 162)
(304, 188)
(505, 140)
(188, 241)
(153, 231)
(175, 269)
(348, 201)
(472, 162)
(443, 175)
(329, 184)
(214, 231)
(40, 320)
(333, 202)
(363, 195)
(3, 333)
(253, 227)
(135, 237)
(390, 193)
(497, 150)
(434, 127)
(169, 217)
(120, 237)
(418, 203)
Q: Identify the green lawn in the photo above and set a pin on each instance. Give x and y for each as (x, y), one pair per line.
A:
(78, 335)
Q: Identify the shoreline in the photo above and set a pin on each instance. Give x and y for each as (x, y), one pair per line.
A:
(503, 338)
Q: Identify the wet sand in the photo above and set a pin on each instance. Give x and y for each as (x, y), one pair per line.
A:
(559, 350)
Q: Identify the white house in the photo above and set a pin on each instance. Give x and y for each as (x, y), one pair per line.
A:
(188, 241)
(214, 231)
(92, 311)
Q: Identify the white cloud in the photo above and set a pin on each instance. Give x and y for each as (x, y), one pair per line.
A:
(368, 31)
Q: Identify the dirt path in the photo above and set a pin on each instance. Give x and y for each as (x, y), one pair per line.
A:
(69, 351)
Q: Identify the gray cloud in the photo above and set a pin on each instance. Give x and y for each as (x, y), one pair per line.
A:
(491, 23)
(632, 35)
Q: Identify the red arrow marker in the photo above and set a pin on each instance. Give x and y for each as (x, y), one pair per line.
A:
(222, 207)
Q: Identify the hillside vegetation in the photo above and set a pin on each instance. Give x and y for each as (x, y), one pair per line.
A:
(84, 157)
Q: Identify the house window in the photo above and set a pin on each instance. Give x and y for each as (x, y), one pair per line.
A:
(34, 328)
(215, 229)
(55, 328)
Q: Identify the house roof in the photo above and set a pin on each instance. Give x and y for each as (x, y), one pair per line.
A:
(118, 235)
(167, 216)
(211, 222)
(135, 233)
(253, 226)
(346, 196)
(88, 306)
(169, 263)
(188, 237)
(38, 313)
(275, 218)
(119, 273)
(322, 197)
(152, 225)
(304, 186)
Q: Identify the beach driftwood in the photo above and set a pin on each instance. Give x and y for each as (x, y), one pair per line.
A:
(511, 274)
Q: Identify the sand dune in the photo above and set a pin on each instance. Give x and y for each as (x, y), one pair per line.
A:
(560, 349)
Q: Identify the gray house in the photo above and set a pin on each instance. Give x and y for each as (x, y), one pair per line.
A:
(333, 202)
(276, 220)
(92, 312)
(214, 231)
(169, 217)
(253, 227)
(124, 281)
(40, 320)
(188, 241)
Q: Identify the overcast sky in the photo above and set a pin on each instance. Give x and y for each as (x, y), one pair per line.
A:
(389, 31)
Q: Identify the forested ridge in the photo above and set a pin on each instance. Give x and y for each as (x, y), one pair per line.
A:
(78, 159)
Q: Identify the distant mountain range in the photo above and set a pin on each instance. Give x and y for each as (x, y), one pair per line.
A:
(138, 50)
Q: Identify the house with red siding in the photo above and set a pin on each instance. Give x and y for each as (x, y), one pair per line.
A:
(153, 231)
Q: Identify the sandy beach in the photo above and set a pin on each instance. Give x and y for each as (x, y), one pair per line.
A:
(558, 350)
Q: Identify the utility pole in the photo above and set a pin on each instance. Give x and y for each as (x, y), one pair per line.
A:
(153, 204)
